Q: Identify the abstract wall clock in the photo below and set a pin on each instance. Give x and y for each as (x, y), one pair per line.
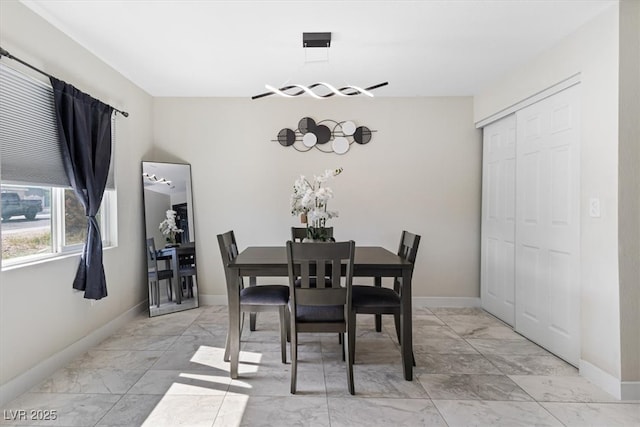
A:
(328, 136)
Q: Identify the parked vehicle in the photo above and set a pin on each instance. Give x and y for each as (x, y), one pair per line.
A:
(13, 205)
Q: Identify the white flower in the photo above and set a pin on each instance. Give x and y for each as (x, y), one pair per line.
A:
(168, 226)
(310, 198)
(323, 194)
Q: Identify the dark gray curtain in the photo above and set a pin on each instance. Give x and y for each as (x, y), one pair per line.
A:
(84, 128)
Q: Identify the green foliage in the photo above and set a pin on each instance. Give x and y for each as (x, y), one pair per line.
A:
(75, 221)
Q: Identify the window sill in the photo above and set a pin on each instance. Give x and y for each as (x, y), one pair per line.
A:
(43, 259)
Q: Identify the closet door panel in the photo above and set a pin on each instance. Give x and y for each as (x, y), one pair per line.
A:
(547, 224)
(498, 219)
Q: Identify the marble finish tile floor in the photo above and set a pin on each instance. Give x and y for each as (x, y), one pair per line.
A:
(472, 370)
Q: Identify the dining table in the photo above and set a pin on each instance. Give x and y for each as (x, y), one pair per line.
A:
(172, 254)
(369, 261)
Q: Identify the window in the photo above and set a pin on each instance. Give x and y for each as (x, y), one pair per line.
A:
(41, 215)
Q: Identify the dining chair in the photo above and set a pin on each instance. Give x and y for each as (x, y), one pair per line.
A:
(325, 307)
(186, 273)
(298, 234)
(155, 275)
(379, 300)
(251, 299)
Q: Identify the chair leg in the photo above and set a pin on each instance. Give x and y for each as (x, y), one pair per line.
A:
(234, 341)
(378, 322)
(294, 359)
(283, 332)
(170, 289)
(287, 314)
(351, 337)
(241, 324)
(226, 347)
(152, 293)
(343, 345)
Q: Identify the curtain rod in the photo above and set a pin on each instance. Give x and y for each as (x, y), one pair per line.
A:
(8, 55)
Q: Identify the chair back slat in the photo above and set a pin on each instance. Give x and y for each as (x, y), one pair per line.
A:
(336, 270)
(229, 252)
(305, 279)
(152, 256)
(320, 273)
(408, 248)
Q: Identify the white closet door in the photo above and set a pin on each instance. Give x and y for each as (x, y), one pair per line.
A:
(497, 282)
(548, 224)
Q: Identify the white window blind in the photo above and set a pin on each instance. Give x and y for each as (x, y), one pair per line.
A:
(29, 148)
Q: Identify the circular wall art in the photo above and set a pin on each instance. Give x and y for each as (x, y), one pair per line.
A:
(286, 137)
(309, 139)
(312, 134)
(340, 145)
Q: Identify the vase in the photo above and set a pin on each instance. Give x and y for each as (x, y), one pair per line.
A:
(317, 234)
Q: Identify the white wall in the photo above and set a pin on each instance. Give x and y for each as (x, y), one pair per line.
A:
(156, 205)
(420, 172)
(591, 51)
(40, 314)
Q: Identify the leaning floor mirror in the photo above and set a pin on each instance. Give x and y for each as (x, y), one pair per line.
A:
(170, 237)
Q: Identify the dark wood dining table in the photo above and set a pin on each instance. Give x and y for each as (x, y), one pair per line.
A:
(370, 261)
(171, 255)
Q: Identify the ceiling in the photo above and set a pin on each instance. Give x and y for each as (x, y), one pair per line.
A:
(177, 175)
(233, 48)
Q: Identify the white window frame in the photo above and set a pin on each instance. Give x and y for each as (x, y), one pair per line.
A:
(57, 227)
(108, 210)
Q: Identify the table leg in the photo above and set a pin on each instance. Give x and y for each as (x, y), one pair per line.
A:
(406, 326)
(377, 281)
(252, 316)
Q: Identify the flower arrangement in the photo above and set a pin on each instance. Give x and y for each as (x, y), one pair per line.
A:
(309, 200)
(169, 227)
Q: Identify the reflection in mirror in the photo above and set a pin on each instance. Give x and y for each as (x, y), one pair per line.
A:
(170, 237)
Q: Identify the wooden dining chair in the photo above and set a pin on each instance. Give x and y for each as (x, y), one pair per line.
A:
(325, 307)
(155, 275)
(251, 299)
(298, 234)
(379, 300)
(187, 273)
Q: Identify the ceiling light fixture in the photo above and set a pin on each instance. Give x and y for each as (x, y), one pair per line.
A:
(155, 180)
(292, 90)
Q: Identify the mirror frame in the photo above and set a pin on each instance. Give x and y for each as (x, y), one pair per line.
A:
(162, 177)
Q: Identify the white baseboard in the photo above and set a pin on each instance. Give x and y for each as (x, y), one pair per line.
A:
(630, 390)
(212, 299)
(433, 302)
(602, 379)
(24, 382)
(623, 390)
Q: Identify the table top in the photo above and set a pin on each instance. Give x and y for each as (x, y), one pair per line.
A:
(184, 248)
(276, 256)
